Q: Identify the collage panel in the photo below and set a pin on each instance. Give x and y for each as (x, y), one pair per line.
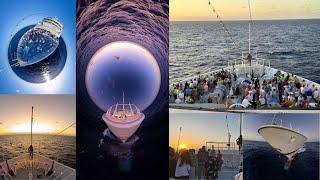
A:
(37, 137)
(98, 89)
(241, 57)
(38, 49)
(122, 94)
(281, 145)
(205, 145)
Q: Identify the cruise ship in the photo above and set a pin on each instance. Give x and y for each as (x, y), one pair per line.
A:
(31, 165)
(123, 119)
(39, 42)
(50, 24)
(286, 140)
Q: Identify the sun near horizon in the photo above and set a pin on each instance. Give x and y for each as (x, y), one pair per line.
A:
(52, 114)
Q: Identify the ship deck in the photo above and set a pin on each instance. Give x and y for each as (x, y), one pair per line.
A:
(243, 72)
(230, 168)
(24, 168)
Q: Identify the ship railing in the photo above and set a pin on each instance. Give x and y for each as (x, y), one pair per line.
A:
(231, 155)
(281, 123)
(221, 145)
(128, 109)
(258, 65)
(61, 171)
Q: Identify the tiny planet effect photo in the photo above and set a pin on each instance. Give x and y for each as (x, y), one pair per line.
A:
(122, 94)
(35, 56)
(39, 50)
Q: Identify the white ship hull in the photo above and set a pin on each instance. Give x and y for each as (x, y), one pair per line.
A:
(123, 130)
(286, 141)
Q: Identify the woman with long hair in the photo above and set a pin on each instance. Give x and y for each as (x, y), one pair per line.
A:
(183, 165)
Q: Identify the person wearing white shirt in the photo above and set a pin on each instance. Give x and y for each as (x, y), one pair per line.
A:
(183, 166)
(262, 92)
(300, 99)
(245, 103)
(181, 96)
(250, 96)
(195, 83)
(302, 89)
(178, 101)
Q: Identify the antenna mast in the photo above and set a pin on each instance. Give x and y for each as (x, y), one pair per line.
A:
(123, 100)
(250, 21)
(229, 134)
(31, 124)
(241, 124)
(249, 41)
(179, 139)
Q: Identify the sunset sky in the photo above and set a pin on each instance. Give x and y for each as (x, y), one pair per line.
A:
(191, 10)
(199, 127)
(52, 113)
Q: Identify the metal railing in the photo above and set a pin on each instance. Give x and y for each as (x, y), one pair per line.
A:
(60, 171)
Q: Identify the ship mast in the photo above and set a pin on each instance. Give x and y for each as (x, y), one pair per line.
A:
(179, 140)
(229, 134)
(250, 21)
(31, 124)
(123, 101)
(249, 40)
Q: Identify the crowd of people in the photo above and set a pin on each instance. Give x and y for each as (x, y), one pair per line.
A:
(279, 90)
(37, 41)
(200, 89)
(187, 164)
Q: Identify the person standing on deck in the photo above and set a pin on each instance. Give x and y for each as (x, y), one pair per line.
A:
(202, 159)
(219, 161)
(172, 162)
(183, 165)
(315, 95)
(30, 150)
(194, 164)
(212, 169)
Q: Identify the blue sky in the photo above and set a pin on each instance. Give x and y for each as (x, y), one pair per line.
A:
(11, 13)
(307, 124)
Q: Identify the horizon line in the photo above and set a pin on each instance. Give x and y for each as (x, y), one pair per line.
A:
(311, 140)
(12, 134)
(280, 19)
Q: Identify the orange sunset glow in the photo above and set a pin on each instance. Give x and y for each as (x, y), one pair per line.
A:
(52, 113)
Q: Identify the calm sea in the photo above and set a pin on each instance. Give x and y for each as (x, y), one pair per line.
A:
(290, 45)
(59, 148)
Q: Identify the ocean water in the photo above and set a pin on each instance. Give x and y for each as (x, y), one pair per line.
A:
(262, 162)
(59, 148)
(289, 45)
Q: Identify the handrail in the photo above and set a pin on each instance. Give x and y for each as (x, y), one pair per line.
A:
(25, 157)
